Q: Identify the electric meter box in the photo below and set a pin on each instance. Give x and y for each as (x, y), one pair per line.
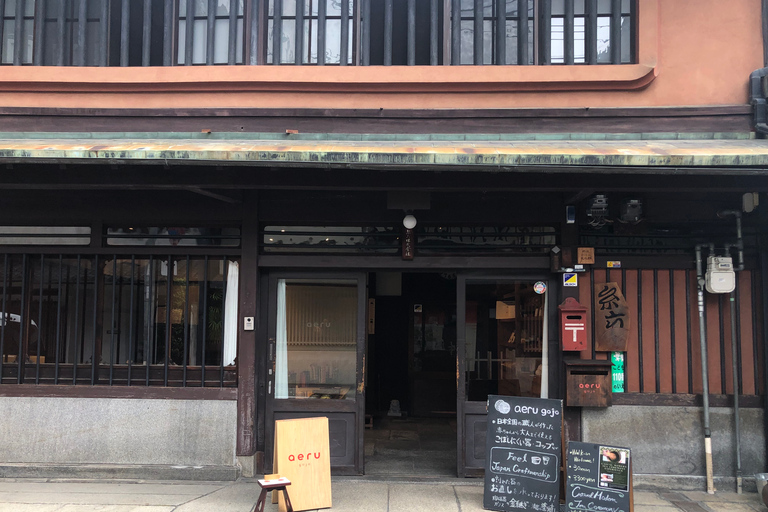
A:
(720, 277)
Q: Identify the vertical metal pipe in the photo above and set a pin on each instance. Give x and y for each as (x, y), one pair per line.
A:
(169, 23)
(189, 33)
(590, 31)
(455, 32)
(95, 336)
(411, 40)
(211, 32)
(125, 26)
(18, 36)
(205, 320)
(366, 36)
(735, 371)
(522, 33)
(322, 8)
(131, 322)
(277, 32)
(615, 43)
(253, 32)
(704, 374)
(39, 40)
(672, 329)
(501, 32)
(545, 32)
(344, 49)
(232, 54)
(185, 319)
(388, 27)
(168, 338)
(434, 32)
(640, 328)
(104, 34)
(721, 325)
(298, 49)
(76, 337)
(477, 42)
(113, 326)
(58, 321)
(146, 35)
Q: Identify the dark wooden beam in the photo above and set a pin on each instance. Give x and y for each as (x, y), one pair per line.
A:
(248, 347)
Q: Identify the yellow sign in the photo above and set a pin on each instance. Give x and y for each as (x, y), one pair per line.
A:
(302, 455)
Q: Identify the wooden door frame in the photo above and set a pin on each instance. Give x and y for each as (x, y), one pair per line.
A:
(273, 405)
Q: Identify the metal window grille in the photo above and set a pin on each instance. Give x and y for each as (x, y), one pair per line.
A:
(317, 32)
(129, 320)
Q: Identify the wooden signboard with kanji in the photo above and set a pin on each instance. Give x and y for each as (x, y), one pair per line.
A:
(611, 318)
(302, 455)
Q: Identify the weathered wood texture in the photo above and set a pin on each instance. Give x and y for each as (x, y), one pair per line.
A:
(663, 355)
(578, 120)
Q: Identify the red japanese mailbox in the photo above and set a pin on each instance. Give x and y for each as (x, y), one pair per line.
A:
(573, 325)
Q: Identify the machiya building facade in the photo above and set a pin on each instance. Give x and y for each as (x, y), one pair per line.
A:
(211, 220)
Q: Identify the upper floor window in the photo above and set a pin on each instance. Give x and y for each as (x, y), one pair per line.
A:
(317, 32)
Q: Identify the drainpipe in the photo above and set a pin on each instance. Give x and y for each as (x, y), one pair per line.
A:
(739, 245)
(705, 370)
(758, 101)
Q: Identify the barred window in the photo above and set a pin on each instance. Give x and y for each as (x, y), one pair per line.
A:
(126, 320)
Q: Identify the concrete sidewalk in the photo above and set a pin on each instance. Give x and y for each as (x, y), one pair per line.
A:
(349, 495)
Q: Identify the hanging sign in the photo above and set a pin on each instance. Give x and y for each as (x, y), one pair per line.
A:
(617, 372)
(611, 318)
(409, 244)
(599, 477)
(522, 454)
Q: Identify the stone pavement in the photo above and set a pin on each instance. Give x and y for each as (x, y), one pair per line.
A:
(349, 495)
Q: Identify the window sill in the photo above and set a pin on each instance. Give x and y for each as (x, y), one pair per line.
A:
(322, 79)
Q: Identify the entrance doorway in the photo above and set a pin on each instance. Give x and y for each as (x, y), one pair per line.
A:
(411, 383)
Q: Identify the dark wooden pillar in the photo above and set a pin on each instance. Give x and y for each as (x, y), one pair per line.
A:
(569, 242)
(246, 349)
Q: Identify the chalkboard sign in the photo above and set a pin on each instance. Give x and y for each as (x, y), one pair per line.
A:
(598, 478)
(522, 454)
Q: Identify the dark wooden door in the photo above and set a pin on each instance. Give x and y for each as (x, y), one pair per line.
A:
(315, 353)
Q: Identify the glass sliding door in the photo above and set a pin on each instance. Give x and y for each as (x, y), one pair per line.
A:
(504, 349)
(316, 349)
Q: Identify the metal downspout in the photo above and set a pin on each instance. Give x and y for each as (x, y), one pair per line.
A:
(739, 245)
(705, 370)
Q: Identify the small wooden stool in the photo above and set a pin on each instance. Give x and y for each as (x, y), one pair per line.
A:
(276, 485)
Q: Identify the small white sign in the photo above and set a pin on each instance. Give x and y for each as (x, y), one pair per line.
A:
(570, 279)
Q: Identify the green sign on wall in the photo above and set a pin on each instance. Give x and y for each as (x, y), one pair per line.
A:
(617, 372)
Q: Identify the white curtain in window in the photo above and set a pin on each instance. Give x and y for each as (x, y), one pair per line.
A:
(281, 342)
(230, 314)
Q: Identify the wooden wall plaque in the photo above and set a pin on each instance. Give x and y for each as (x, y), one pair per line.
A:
(612, 320)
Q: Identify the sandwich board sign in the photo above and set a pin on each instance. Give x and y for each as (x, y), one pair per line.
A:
(522, 454)
(302, 455)
(599, 477)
